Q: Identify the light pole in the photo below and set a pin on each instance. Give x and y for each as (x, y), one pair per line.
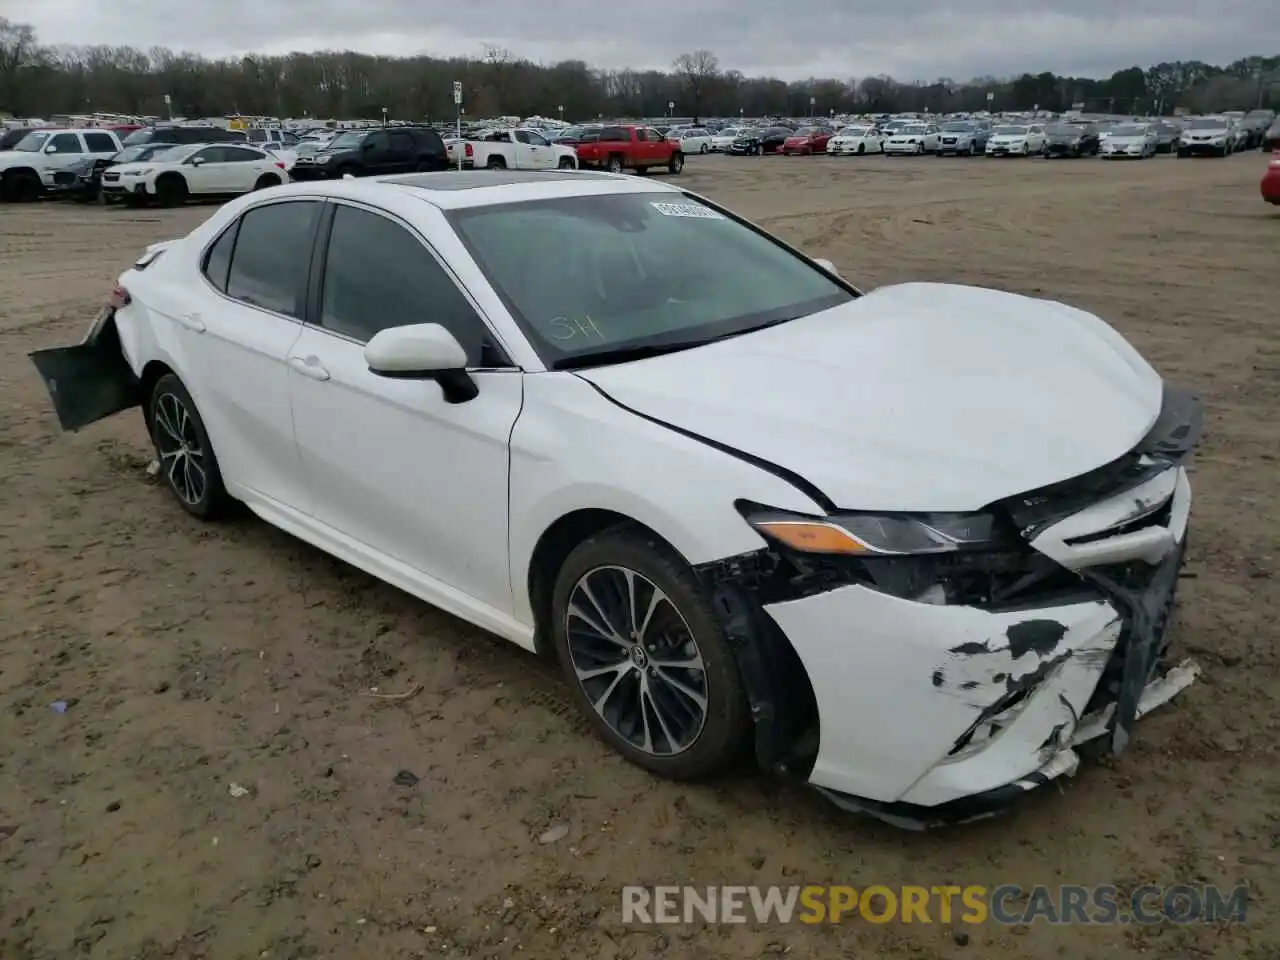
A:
(813, 102)
(560, 109)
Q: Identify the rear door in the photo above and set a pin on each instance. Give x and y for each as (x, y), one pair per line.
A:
(235, 333)
(242, 167)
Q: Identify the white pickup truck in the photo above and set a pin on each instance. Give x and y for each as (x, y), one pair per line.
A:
(516, 149)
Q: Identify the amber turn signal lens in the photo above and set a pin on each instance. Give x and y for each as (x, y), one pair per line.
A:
(812, 537)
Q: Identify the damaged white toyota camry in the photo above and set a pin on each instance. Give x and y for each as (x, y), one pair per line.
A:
(913, 546)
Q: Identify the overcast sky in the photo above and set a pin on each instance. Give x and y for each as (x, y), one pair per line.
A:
(792, 39)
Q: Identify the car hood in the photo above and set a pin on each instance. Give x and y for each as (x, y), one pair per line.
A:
(1009, 137)
(1219, 132)
(919, 396)
(1126, 141)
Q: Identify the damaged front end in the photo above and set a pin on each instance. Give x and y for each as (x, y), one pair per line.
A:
(940, 667)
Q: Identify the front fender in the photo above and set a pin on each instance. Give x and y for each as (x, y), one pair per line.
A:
(573, 449)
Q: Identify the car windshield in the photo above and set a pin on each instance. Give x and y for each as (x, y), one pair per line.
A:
(913, 129)
(140, 152)
(1010, 131)
(175, 154)
(1065, 130)
(1129, 130)
(853, 132)
(957, 127)
(1207, 123)
(587, 276)
(346, 141)
(32, 142)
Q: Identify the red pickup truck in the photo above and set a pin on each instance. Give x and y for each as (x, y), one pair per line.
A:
(628, 148)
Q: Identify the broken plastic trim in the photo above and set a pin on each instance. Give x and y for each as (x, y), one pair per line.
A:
(91, 380)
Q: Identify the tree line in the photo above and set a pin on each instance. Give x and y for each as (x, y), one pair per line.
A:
(39, 81)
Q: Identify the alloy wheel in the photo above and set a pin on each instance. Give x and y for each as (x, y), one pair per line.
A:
(637, 660)
(182, 457)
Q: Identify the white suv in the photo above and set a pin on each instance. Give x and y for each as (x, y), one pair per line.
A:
(28, 170)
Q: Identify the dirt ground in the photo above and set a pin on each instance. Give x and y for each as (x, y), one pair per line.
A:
(197, 657)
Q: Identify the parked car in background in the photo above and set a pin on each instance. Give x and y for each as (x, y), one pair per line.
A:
(264, 136)
(174, 135)
(1134, 141)
(1208, 136)
(691, 139)
(760, 141)
(723, 138)
(912, 138)
(1167, 136)
(1255, 124)
(961, 138)
(1271, 180)
(620, 148)
(193, 171)
(1016, 140)
(366, 153)
(1070, 140)
(11, 138)
(601, 419)
(1271, 138)
(855, 140)
(82, 180)
(806, 141)
(29, 170)
(518, 149)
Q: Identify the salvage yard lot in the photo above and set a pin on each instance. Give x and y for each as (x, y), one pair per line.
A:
(196, 657)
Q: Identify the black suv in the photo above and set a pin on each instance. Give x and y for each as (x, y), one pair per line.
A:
(367, 153)
(175, 136)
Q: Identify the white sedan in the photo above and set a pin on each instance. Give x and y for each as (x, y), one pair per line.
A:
(172, 176)
(1016, 140)
(723, 139)
(692, 139)
(914, 138)
(744, 504)
(856, 140)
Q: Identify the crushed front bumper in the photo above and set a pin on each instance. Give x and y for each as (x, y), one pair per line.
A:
(926, 713)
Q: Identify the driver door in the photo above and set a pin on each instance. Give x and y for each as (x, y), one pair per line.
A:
(205, 171)
(392, 466)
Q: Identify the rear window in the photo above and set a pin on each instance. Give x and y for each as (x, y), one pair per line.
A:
(612, 134)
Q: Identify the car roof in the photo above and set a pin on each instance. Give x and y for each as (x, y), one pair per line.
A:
(454, 190)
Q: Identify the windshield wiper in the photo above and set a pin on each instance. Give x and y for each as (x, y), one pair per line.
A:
(600, 358)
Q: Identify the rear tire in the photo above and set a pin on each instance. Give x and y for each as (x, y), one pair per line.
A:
(188, 465)
(614, 164)
(267, 180)
(681, 722)
(495, 163)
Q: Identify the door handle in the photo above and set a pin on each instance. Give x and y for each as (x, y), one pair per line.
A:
(309, 367)
(192, 321)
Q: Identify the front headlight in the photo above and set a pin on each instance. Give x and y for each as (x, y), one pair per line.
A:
(138, 173)
(873, 535)
(321, 157)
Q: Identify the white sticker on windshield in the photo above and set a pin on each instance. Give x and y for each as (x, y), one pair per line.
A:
(695, 210)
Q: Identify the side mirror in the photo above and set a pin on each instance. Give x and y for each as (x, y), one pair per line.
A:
(828, 266)
(422, 351)
(196, 161)
(51, 149)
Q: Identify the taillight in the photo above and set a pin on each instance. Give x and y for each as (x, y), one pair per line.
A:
(280, 164)
(119, 298)
(466, 149)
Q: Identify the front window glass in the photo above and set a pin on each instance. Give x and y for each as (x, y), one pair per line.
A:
(586, 275)
(32, 142)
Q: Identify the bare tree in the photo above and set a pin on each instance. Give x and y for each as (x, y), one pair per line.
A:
(19, 52)
(696, 73)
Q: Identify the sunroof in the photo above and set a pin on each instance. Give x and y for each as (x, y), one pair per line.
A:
(476, 179)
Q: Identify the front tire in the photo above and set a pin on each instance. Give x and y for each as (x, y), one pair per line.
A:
(646, 657)
(188, 465)
(566, 163)
(676, 164)
(171, 190)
